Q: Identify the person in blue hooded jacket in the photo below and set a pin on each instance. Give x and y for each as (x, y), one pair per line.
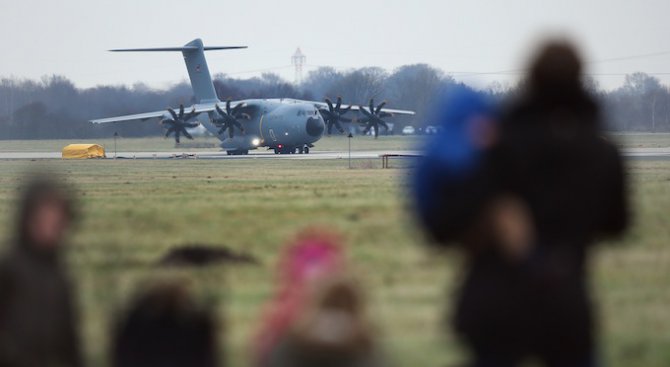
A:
(525, 198)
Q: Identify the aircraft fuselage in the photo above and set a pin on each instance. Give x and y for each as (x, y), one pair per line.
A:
(280, 124)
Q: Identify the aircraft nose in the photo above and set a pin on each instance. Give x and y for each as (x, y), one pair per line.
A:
(315, 126)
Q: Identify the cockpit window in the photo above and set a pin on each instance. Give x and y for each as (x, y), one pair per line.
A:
(307, 112)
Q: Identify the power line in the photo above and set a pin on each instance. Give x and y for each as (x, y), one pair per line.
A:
(632, 57)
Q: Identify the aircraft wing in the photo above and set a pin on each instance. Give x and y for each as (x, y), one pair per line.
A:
(136, 117)
(391, 111)
(199, 108)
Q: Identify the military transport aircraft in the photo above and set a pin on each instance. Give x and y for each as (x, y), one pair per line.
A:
(283, 125)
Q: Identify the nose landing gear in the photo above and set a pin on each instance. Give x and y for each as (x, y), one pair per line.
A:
(292, 150)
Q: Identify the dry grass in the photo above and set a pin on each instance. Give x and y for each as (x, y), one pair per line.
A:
(134, 211)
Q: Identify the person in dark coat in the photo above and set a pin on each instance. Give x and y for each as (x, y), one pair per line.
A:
(526, 211)
(164, 327)
(38, 321)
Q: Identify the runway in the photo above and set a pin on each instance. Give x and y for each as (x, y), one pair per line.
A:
(314, 155)
(633, 153)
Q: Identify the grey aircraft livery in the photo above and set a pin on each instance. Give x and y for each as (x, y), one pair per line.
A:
(283, 125)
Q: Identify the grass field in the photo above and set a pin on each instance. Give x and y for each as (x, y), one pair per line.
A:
(335, 142)
(136, 210)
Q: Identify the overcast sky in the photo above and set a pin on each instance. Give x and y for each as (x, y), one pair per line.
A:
(69, 37)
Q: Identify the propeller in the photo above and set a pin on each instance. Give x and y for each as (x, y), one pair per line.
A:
(333, 115)
(374, 117)
(178, 123)
(228, 119)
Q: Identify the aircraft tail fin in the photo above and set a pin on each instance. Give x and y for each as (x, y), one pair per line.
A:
(196, 64)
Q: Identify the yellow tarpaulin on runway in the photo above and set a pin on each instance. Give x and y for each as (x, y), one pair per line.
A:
(83, 151)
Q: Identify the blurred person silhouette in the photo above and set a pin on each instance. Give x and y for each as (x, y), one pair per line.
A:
(38, 318)
(332, 330)
(317, 317)
(164, 327)
(525, 206)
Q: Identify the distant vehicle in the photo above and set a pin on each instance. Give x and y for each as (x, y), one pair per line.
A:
(283, 125)
(430, 130)
(408, 130)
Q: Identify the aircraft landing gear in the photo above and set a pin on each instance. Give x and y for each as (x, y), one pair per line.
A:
(291, 150)
(237, 152)
(303, 150)
(285, 150)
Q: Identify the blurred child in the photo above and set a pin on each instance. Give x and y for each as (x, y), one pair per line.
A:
(317, 316)
(164, 327)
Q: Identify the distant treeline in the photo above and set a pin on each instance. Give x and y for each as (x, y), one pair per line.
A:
(55, 108)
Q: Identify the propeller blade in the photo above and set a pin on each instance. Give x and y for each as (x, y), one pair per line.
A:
(219, 110)
(326, 114)
(339, 104)
(342, 112)
(372, 106)
(186, 134)
(191, 115)
(181, 111)
(174, 114)
(169, 131)
(365, 112)
(239, 126)
(236, 109)
(330, 105)
(379, 108)
(228, 106)
(330, 127)
(376, 128)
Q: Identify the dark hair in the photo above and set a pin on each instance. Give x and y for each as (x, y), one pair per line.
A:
(164, 327)
(554, 83)
(556, 66)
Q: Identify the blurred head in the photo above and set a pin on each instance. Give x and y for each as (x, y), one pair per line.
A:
(312, 256)
(555, 70)
(165, 327)
(468, 128)
(313, 253)
(334, 320)
(45, 214)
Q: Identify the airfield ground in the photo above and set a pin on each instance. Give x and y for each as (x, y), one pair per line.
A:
(336, 142)
(134, 211)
